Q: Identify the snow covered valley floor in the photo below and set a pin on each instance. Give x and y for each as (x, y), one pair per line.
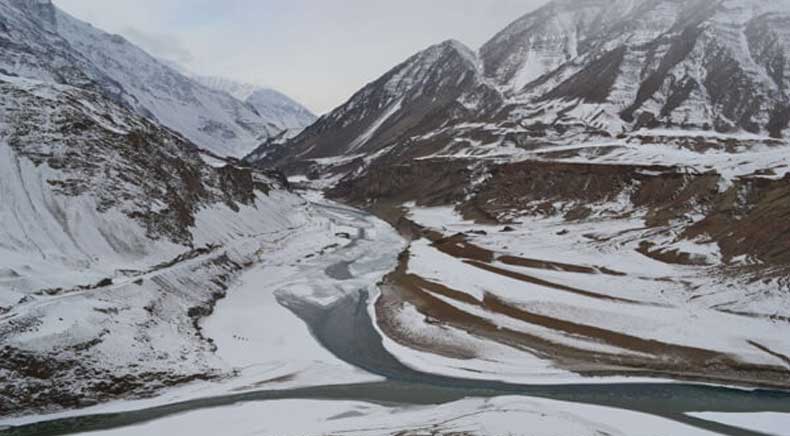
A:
(297, 336)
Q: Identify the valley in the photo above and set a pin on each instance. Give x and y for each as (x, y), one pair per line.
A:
(580, 228)
(278, 361)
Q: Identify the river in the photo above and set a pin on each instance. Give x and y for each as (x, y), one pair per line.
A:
(346, 330)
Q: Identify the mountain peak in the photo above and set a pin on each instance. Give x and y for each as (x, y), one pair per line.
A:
(453, 46)
(443, 79)
(598, 68)
(275, 107)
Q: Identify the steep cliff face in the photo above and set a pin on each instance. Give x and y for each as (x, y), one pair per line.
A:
(541, 42)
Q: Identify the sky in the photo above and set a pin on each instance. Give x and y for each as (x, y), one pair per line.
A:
(317, 51)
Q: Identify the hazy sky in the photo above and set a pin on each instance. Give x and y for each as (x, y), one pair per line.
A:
(317, 51)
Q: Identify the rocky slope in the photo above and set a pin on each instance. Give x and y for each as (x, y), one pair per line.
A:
(616, 66)
(121, 222)
(39, 41)
(116, 238)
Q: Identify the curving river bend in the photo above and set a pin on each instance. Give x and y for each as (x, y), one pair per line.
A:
(346, 330)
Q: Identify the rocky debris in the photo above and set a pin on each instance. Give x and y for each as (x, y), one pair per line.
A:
(72, 372)
(59, 291)
(418, 180)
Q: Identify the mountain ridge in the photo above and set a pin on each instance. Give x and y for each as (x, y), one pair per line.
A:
(444, 78)
(40, 41)
(570, 71)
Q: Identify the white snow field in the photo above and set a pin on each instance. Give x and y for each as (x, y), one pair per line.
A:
(776, 424)
(266, 347)
(618, 290)
(513, 416)
(259, 343)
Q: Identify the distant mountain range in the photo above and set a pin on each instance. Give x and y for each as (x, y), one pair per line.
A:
(277, 108)
(574, 70)
(40, 41)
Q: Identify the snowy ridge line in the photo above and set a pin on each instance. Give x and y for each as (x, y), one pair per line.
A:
(766, 159)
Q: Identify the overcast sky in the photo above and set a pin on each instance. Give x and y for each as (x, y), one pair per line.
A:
(317, 51)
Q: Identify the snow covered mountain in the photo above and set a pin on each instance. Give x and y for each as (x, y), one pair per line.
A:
(574, 70)
(39, 41)
(615, 66)
(116, 235)
(541, 42)
(283, 111)
(241, 91)
(273, 106)
(115, 238)
(595, 193)
(438, 86)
